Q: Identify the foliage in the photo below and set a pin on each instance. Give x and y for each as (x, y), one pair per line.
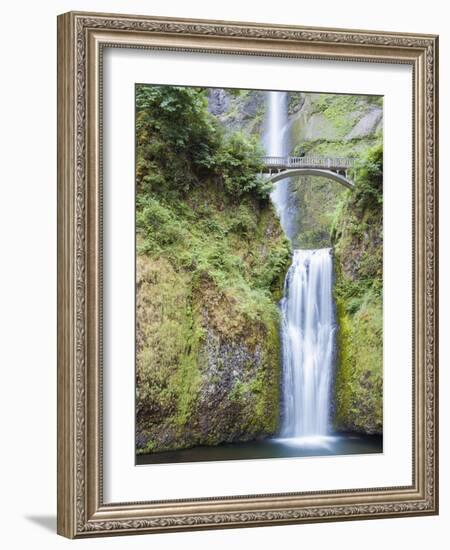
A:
(357, 237)
(316, 199)
(239, 159)
(368, 176)
(359, 382)
(211, 264)
(238, 92)
(210, 267)
(178, 142)
(354, 148)
(295, 102)
(175, 138)
(351, 222)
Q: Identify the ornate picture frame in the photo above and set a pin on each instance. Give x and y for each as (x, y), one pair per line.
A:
(82, 38)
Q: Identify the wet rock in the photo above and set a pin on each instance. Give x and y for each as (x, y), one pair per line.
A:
(218, 101)
(367, 125)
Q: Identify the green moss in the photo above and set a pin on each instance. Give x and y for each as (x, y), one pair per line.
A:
(317, 198)
(320, 200)
(239, 391)
(267, 387)
(343, 111)
(359, 381)
(351, 222)
(295, 102)
(261, 391)
(245, 111)
(210, 269)
(339, 148)
(187, 380)
(357, 237)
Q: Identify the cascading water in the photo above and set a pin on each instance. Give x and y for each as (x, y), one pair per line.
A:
(307, 333)
(307, 313)
(277, 120)
(308, 343)
(276, 141)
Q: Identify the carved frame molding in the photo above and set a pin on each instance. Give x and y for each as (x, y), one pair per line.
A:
(81, 38)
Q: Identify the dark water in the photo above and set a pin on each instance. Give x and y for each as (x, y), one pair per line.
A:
(342, 444)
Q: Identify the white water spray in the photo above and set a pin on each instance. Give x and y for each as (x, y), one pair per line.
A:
(276, 142)
(307, 315)
(307, 332)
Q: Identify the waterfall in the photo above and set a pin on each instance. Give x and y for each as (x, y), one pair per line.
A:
(276, 126)
(307, 331)
(276, 142)
(307, 312)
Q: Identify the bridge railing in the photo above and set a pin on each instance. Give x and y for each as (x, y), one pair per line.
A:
(336, 163)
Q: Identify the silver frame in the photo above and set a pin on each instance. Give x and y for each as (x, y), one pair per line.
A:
(81, 39)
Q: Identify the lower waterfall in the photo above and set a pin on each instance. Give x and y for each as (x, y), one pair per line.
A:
(308, 331)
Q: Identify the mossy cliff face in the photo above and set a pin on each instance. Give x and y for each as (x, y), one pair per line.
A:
(358, 246)
(238, 110)
(208, 352)
(330, 124)
(211, 261)
(210, 267)
(327, 125)
(351, 223)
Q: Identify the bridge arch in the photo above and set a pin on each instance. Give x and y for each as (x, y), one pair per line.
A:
(311, 172)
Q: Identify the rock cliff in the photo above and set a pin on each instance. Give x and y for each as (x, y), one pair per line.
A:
(351, 223)
(210, 268)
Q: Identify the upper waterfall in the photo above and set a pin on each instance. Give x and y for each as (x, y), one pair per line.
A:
(277, 144)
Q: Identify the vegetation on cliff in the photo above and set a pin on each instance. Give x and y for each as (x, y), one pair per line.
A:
(358, 246)
(350, 221)
(210, 267)
(211, 261)
(328, 125)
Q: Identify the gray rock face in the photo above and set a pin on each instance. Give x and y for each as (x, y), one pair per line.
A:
(320, 127)
(219, 101)
(251, 105)
(367, 125)
(237, 112)
(295, 102)
(233, 385)
(221, 415)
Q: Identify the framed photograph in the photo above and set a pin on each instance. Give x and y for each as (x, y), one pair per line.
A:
(247, 284)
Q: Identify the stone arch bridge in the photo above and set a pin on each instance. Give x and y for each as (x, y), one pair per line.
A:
(336, 169)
